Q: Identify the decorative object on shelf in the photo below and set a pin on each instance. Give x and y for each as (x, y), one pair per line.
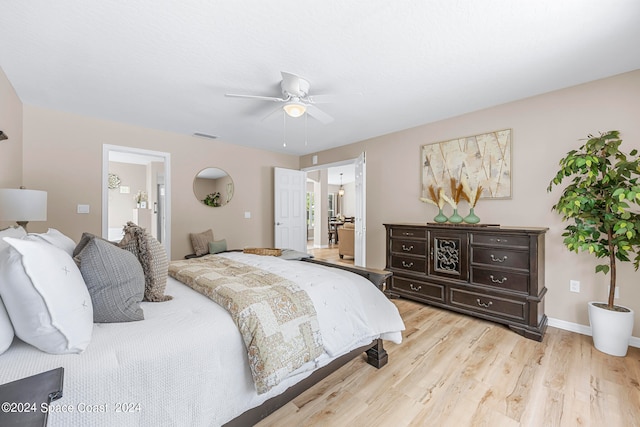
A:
(22, 205)
(471, 218)
(113, 181)
(436, 197)
(483, 158)
(140, 198)
(212, 199)
(471, 196)
(456, 193)
(600, 203)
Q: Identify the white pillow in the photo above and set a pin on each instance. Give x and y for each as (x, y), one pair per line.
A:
(6, 329)
(46, 298)
(17, 232)
(56, 238)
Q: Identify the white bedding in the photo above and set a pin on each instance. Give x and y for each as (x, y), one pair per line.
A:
(186, 364)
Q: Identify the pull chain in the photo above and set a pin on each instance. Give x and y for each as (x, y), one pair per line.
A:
(284, 129)
(305, 128)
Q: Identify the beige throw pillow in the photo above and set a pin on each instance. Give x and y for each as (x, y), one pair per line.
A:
(152, 257)
(200, 242)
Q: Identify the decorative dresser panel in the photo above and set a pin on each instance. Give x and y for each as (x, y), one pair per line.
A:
(495, 273)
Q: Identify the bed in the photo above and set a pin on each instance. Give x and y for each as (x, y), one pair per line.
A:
(186, 363)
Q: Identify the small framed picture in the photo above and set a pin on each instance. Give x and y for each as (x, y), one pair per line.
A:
(143, 205)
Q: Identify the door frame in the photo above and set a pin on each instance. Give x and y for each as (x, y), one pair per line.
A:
(364, 195)
(108, 148)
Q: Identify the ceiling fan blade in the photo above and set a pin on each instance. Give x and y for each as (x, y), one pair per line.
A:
(318, 114)
(272, 113)
(263, 98)
(331, 97)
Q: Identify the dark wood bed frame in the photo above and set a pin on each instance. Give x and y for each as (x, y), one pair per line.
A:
(376, 356)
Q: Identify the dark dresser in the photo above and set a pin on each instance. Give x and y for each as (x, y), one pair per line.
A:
(494, 273)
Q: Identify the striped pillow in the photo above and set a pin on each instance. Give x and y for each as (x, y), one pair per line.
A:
(152, 257)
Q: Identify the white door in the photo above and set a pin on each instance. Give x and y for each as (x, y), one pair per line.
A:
(360, 247)
(290, 209)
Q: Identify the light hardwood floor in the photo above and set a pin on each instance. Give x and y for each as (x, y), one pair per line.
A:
(330, 254)
(455, 370)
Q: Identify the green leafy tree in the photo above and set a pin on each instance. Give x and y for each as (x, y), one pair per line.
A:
(598, 203)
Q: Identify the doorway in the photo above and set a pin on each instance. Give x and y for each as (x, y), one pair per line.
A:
(335, 199)
(136, 187)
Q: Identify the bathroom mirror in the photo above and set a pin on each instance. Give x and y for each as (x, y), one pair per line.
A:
(213, 187)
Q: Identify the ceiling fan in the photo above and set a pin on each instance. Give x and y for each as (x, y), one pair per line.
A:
(296, 98)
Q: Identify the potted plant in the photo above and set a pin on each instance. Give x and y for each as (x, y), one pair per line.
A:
(598, 204)
(212, 199)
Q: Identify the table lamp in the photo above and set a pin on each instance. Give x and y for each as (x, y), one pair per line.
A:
(22, 205)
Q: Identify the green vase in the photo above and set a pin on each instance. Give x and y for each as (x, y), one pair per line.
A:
(440, 217)
(472, 218)
(455, 218)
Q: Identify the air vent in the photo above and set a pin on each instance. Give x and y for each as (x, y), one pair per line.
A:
(204, 135)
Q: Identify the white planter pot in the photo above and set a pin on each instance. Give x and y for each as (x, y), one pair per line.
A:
(611, 330)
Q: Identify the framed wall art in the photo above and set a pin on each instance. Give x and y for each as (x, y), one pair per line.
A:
(482, 160)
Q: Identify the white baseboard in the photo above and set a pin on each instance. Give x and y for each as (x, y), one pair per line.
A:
(582, 329)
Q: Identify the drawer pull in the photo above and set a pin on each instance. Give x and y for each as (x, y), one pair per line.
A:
(407, 249)
(494, 280)
(407, 234)
(494, 259)
(407, 265)
(482, 304)
(413, 288)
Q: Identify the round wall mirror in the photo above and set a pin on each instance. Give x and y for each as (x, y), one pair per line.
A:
(213, 187)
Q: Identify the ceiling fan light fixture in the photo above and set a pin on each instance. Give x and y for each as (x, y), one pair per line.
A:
(294, 109)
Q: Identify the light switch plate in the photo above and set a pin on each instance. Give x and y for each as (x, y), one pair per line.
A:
(83, 209)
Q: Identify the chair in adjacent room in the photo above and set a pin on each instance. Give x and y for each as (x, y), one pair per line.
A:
(346, 240)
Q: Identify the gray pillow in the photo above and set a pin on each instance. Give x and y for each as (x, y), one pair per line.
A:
(218, 246)
(293, 255)
(115, 281)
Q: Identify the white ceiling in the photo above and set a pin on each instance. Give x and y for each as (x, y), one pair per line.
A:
(167, 64)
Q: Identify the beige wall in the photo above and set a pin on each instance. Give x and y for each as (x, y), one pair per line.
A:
(544, 128)
(121, 205)
(63, 155)
(10, 149)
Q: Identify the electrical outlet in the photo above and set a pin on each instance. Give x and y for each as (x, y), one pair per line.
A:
(574, 286)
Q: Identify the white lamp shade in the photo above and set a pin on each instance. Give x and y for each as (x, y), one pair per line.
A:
(294, 109)
(23, 205)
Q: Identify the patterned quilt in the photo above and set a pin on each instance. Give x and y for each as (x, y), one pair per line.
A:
(276, 318)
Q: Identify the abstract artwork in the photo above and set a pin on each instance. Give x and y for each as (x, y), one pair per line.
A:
(482, 160)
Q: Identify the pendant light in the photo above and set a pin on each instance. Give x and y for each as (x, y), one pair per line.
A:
(341, 190)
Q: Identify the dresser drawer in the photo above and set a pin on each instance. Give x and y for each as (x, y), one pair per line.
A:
(414, 264)
(495, 257)
(418, 289)
(482, 303)
(500, 279)
(496, 240)
(413, 247)
(412, 233)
